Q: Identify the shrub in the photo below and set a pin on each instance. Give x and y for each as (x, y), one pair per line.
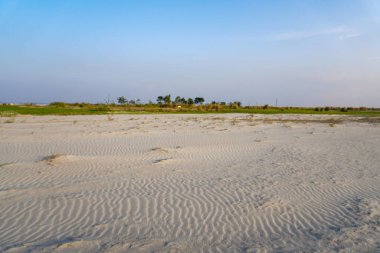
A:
(199, 100)
(58, 104)
(217, 107)
(234, 106)
(101, 108)
(84, 105)
(121, 100)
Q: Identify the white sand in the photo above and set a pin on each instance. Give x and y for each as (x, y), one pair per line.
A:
(189, 183)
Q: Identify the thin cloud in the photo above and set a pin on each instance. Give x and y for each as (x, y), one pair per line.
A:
(298, 35)
(349, 36)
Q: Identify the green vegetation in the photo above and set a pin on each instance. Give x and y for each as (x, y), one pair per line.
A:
(122, 100)
(166, 105)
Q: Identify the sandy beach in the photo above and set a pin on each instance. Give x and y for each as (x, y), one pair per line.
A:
(190, 183)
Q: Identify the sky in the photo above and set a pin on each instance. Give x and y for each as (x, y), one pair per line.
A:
(304, 53)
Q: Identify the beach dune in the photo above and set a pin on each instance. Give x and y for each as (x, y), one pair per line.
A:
(190, 183)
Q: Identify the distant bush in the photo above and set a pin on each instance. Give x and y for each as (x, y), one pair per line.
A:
(213, 107)
(201, 108)
(101, 108)
(84, 105)
(234, 106)
(122, 100)
(199, 100)
(58, 104)
(217, 107)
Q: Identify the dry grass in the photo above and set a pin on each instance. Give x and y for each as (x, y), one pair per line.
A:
(162, 150)
(10, 115)
(374, 120)
(299, 121)
(52, 159)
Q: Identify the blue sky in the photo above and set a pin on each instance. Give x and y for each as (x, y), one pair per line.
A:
(305, 53)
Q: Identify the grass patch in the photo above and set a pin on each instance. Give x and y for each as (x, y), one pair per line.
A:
(10, 115)
(60, 108)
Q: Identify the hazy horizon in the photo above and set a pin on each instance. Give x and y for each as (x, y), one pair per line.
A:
(305, 53)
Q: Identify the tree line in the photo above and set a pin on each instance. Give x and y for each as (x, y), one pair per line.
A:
(165, 100)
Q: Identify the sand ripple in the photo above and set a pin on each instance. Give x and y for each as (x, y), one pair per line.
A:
(189, 187)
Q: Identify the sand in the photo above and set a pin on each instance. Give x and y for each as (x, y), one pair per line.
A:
(190, 183)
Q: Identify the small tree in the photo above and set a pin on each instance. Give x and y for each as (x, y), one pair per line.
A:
(190, 101)
(167, 99)
(199, 100)
(160, 99)
(177, 100)
(121, 100)
(183, 101)
(238, 103)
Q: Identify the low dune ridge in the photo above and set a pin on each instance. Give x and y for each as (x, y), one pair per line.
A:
(190, 183)
(57, 159)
